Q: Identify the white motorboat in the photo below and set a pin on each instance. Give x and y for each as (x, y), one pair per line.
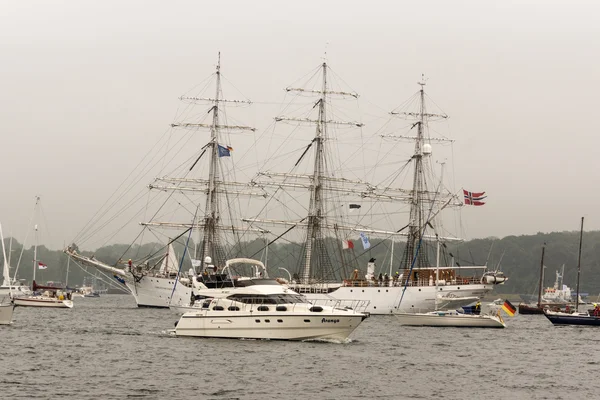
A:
(451, 319)
(265, 309)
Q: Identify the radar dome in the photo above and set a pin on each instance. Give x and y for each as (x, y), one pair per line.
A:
(207, 260)
(426, 149)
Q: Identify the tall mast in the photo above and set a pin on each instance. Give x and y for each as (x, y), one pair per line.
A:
(579, 266)
(418, 215)
(211, 213)
(541, 277)
(315, 206)
(209, 224)
(416, 212)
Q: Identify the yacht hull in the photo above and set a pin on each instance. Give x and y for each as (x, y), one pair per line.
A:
(6, 313)
(40, 301)
(268, 326)
(454, 320)
(386, 299)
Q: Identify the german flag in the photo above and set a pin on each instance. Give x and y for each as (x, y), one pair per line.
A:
(509, 308)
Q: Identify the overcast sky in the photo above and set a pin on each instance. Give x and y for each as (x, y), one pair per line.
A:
(89, 86)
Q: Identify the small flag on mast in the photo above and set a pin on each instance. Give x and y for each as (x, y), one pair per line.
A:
(365, 241)
(509, 308)
(474, 198)
(41, 265)
(225, 151)
(347, 244)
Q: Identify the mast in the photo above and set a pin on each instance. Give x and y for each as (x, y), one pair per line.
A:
(579, 266)
(418, 216)
(35, 239)
(314, 209)
(208, 225)
(541, 277)
(211, 213)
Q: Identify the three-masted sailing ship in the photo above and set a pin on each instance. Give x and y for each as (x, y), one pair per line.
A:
(419, 284)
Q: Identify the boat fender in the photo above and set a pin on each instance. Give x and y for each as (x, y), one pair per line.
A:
(176, 322)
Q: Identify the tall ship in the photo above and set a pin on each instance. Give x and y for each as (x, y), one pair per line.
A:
(343, 205)
(194, 213)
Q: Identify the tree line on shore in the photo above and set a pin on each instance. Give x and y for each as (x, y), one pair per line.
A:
(517, 256)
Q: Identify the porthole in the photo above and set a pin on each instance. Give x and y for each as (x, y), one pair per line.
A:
(307, 320)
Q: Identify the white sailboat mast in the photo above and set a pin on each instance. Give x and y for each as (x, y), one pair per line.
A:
(35, 239)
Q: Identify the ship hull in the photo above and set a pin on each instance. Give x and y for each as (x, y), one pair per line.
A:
(156, 292)
(385, 300)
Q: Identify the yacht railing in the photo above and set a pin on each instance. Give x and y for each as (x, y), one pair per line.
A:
(255, 305)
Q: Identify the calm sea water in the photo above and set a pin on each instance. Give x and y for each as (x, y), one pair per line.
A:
(108, 348)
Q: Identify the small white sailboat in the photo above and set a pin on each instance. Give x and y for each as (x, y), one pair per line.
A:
(6, 309)
(488, 318)
(43, 296)
(451, 318)
(11, 286)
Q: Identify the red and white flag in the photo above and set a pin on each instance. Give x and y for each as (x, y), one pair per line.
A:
(41, 265)
(347, 244)
(474, 198)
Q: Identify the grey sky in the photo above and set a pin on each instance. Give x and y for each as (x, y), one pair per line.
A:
(88, 87)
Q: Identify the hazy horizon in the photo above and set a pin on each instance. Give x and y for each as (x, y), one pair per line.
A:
(89, 87)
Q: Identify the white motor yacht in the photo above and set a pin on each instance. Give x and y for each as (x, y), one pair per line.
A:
(259, 308)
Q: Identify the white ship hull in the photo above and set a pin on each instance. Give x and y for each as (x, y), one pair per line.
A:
(386, 299)
(277, 326)
(6, 313)
(156, 292)
(455, 320)
(42, 301)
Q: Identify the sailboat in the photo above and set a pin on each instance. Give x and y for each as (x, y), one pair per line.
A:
(320, 267)
(43, 296)
(6, 305)
(160, 281)
(536, 309)
(576, 317)
(11, 286)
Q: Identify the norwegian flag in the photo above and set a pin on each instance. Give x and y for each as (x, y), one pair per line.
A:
(473, 198)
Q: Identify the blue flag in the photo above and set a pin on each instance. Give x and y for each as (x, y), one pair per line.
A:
(365, 241)
(224, 151)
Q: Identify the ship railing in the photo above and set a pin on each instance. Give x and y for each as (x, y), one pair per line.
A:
(472, 280)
